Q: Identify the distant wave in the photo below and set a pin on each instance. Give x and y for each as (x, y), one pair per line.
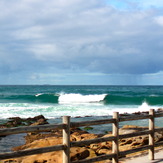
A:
(39, 94)
(107, 99)
(37, 98)
(133, 100)
(79, 98)
(153, 95)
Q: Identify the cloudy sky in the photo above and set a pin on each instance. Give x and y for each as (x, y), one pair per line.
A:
(81, 42)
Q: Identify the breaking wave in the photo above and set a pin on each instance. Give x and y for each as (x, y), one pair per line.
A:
(107, 99)
(78, 98)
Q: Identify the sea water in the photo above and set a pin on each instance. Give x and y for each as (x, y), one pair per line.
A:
(88, 102)
(55, 101)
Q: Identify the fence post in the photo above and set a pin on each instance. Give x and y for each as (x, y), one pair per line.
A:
(151, 135)
(66, 139)
(115, 130)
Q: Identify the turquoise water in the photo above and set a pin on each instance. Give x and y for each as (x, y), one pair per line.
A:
(55, 101)
(87, 102)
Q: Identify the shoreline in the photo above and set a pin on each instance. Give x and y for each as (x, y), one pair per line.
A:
(78, 135)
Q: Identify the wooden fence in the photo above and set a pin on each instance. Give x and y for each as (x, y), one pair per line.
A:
(66, 125)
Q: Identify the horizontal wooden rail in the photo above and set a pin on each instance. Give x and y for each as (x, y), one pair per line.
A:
(65, 146)
(158, 143)
(145, 147)
(158, 129)
(98, 158)
(93, 122)
(133, 117)
(91, 141)
(130, 135)
(157, 115)
(49, 127)
(31, 152)
(25, 129)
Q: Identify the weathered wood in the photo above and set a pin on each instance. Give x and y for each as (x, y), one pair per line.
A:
(91, 141)
(93, 122)
(66, 139)
(115, 130)
(145, 147)
(159, 129)
(25, 129)
(133, 117)
(158, 143)
(157, 115)
(130, 135)
(98, 158)
(31, 152)
(66, 136)
(151, 135)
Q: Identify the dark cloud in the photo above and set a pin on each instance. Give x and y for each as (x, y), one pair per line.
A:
(80, 36)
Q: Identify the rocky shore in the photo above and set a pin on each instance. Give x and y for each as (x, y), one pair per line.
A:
(54, 137)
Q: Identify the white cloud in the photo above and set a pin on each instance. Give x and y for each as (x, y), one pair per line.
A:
(79, 35)
(34, 32)
(159, 20)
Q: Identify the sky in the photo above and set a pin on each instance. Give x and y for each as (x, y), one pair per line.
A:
(81, 42)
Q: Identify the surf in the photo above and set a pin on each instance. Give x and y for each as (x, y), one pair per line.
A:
(79, 98)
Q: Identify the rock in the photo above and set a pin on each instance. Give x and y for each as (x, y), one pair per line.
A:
(91, 153)
(126, 129)
(88, 136)
(30, 137)
(104, 151)
(159, 110)
(76, 153)
(37, 140)
(137, 141)
(17, 121)
(40, 143)
(39, 122)
(79, 153)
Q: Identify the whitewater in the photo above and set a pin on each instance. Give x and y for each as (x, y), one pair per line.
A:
(80, 102)
(57, 101)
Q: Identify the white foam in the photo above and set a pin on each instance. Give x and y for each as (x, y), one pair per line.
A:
(51, 111)
(39, 94)
(153, 95)
(144, 107)
(78, 98)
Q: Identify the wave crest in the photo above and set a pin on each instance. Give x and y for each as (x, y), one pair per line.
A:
(79, 98)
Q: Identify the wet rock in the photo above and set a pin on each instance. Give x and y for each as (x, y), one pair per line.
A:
(17, 121)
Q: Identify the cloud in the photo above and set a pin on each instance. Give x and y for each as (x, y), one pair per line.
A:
(80, 36)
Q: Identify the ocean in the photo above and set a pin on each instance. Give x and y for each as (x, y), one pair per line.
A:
(86, 102)
(54, 101)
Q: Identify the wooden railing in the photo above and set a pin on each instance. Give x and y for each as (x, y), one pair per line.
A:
(66, 145)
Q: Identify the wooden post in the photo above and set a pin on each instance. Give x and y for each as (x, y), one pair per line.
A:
(151, 135)
(66, 139)
(115, 130)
